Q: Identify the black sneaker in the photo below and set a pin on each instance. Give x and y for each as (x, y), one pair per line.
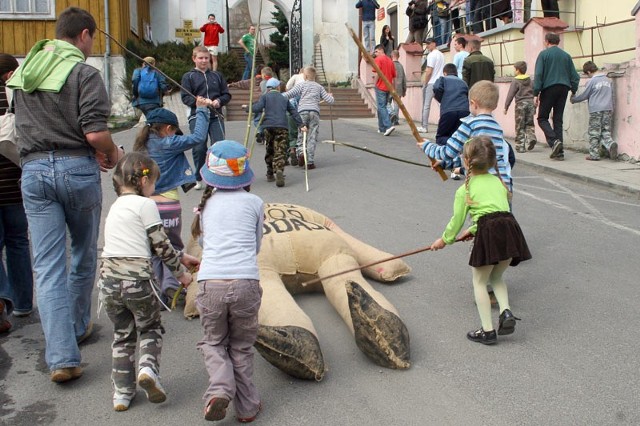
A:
(613, 151)
(279, 179)
(484, 337)
(506, 323)
(557, 149)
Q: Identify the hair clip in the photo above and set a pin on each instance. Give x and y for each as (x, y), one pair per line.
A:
(197, 211)
(145, 172)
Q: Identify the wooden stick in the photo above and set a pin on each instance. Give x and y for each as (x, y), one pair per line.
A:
(306, 162)
(409, 253)
(252, 80)
(370, 151)
(394, 95)
(333, 138)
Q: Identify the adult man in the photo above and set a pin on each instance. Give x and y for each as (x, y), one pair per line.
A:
(550, 8)
(212, 31)
(476, 66)
(460, 46)
(433, 65)
(400, 87)
(248, 43)
(382, 91)
(555, 75)
(62, 109)
(418, 13)
(202, 81)
(368, 22)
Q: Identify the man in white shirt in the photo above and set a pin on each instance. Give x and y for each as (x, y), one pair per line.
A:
(433, 65)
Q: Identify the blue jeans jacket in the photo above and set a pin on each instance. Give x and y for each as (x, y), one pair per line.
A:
(168, 152)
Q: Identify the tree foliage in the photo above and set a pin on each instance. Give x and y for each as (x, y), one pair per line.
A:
(279, 53)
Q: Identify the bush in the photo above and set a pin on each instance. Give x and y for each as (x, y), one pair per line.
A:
(174, 59)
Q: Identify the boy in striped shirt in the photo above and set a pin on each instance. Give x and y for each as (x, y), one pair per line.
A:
(310, 94)
(483, 99)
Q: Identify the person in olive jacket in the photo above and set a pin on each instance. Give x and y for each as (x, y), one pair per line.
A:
(476, 66)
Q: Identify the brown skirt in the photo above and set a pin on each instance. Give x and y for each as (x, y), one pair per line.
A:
(498, 238)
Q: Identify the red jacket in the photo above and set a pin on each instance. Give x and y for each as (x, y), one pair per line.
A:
(211, 33)
(388, 69)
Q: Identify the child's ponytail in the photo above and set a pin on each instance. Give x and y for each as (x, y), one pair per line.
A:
(142, 138)
(196, 229)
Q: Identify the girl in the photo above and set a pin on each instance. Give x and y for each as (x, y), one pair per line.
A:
(165, 143)
(229, 293)
(387, 41)
(133, 231)
(499, 242)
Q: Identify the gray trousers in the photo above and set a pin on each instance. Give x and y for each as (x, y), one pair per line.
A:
(311, 119)
(427, 96)
(229, 317)
(133, 308)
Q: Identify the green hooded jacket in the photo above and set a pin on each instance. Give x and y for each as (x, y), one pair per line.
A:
(46, 67)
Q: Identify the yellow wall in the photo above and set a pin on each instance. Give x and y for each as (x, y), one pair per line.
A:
(18, 36)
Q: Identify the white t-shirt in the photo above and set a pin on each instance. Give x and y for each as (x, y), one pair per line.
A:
(231, 232)
(435, 60)
(125, 229)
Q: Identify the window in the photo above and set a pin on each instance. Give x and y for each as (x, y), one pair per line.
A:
(27, 9)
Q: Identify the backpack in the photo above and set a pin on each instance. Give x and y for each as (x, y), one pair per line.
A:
(148, 86)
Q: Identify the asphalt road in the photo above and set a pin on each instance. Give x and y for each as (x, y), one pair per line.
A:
(573, 359)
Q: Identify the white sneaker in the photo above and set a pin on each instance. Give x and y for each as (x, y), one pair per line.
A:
(121, 401)
(149, 381)
(199, 186)
(422, 129)
(455, 176)
(389, 131)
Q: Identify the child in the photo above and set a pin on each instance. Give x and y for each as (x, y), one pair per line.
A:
(499, 241)
(452, 93)
(275, 128)
(522, 89)
(165, 143)
(229, 293)
(483, 99)
(600, 97)
(267, 74)
(311, 93)
(133, 232)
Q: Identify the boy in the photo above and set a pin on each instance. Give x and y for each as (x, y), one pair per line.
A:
(600, 98)
(202, 81)
(483, 99)
(452, 93)
(522, 89)
(266, 73)
(310, 93)
(212, 31)
(400, 83)
(275, 128)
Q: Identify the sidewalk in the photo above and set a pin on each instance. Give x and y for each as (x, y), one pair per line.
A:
(619, 175)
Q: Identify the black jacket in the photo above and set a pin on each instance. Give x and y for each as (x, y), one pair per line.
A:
(209, 84)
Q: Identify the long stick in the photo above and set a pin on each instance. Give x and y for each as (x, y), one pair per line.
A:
(392, 91)
(252, 78)
(333, 138)
(365, 149)
(409, 253)
(306, 163)
(178, 85)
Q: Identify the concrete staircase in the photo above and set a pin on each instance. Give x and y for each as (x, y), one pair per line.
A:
(348, 104)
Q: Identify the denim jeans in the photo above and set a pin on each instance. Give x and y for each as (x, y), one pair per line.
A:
(63, 193)
(382, 98)
(199, 152)
(369, 34)
(427, 96)
(229, 317)
(445, 30)
(16, 281)
(247, 68)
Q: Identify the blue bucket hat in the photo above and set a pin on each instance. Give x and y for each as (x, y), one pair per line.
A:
(163, 116)
(273, 83)
(227, 166)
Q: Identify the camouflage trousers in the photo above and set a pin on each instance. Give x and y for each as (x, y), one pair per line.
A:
(525, 129)
(599, 133)
(133, 308)
(276, 144)
(311, 119)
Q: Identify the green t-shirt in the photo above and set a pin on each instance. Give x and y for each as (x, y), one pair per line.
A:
(249, 41)
(488, 195)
